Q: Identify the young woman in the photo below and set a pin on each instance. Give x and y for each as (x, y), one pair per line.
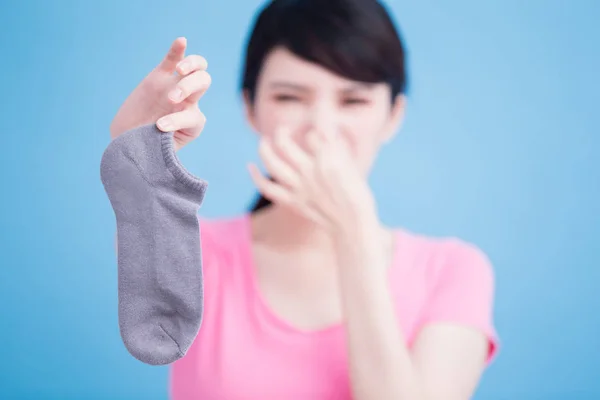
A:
(309, 296)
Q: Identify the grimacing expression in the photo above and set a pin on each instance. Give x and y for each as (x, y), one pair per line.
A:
(302, 95)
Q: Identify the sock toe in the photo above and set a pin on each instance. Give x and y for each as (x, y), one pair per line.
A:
(152, 344)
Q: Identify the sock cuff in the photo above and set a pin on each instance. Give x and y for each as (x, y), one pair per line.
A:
(176, 167)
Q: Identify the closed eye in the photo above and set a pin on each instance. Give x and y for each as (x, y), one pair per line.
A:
(355, 101)
(286, 98)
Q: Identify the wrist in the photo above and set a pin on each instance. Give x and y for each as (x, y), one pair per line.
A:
(360, 235)
(361, 220)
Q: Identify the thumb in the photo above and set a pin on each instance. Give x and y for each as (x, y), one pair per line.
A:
(174, 55)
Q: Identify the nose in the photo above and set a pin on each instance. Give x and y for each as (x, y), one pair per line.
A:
(324, 118)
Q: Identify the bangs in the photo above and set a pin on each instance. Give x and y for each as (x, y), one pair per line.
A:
(355, 39)
(352, 48)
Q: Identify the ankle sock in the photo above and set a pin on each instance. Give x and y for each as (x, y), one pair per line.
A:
(160, 282)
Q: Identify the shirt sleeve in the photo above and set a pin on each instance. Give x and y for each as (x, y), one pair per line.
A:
(463, 291)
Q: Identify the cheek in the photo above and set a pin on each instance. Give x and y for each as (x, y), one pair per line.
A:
(270, 115)
(364, 133)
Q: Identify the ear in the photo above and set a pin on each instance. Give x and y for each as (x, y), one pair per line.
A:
(396, 118)
(249, 110)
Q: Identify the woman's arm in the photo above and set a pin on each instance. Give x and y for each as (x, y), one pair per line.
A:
(328, 188)
(446, 362)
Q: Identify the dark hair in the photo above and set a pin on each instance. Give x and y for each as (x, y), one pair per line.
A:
(355, 39)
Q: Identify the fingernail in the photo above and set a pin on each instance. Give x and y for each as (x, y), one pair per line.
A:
(164, 123)
(175, 94)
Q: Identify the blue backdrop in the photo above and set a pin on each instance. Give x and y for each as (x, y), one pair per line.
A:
(499, 147)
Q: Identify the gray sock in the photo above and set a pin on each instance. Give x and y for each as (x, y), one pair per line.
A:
(155, 201)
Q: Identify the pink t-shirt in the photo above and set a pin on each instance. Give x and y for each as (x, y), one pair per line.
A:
(245, 352)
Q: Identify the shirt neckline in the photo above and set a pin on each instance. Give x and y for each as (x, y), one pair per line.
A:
(266, 316)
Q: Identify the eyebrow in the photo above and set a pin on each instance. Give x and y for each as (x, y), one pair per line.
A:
(356, 87)
(288, 85)
(352, 88)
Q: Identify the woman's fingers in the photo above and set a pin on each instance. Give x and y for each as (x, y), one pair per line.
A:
(188, 123)
(191, 87)
(195, 79)
(191, 63)
(292, 152)
(277, 167)
(281, 195)
(269, 188)
(174, 55)
(314, 143)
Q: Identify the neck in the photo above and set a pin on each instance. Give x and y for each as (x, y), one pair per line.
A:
(284, 230)
(283, 227)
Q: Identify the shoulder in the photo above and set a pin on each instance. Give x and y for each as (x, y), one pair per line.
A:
(218, 234)
(449, 260)
(218, 226)
(458, 283)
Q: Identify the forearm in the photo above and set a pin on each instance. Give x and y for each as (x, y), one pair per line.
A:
(380, 363)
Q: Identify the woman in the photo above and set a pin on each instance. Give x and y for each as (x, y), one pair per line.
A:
(309, 296)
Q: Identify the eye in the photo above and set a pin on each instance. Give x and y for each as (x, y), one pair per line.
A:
(286, 98)
(355, 101)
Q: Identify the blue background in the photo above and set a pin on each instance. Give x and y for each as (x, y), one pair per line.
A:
(499, 147)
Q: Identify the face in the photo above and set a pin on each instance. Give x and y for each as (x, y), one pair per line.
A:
(300, 95)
